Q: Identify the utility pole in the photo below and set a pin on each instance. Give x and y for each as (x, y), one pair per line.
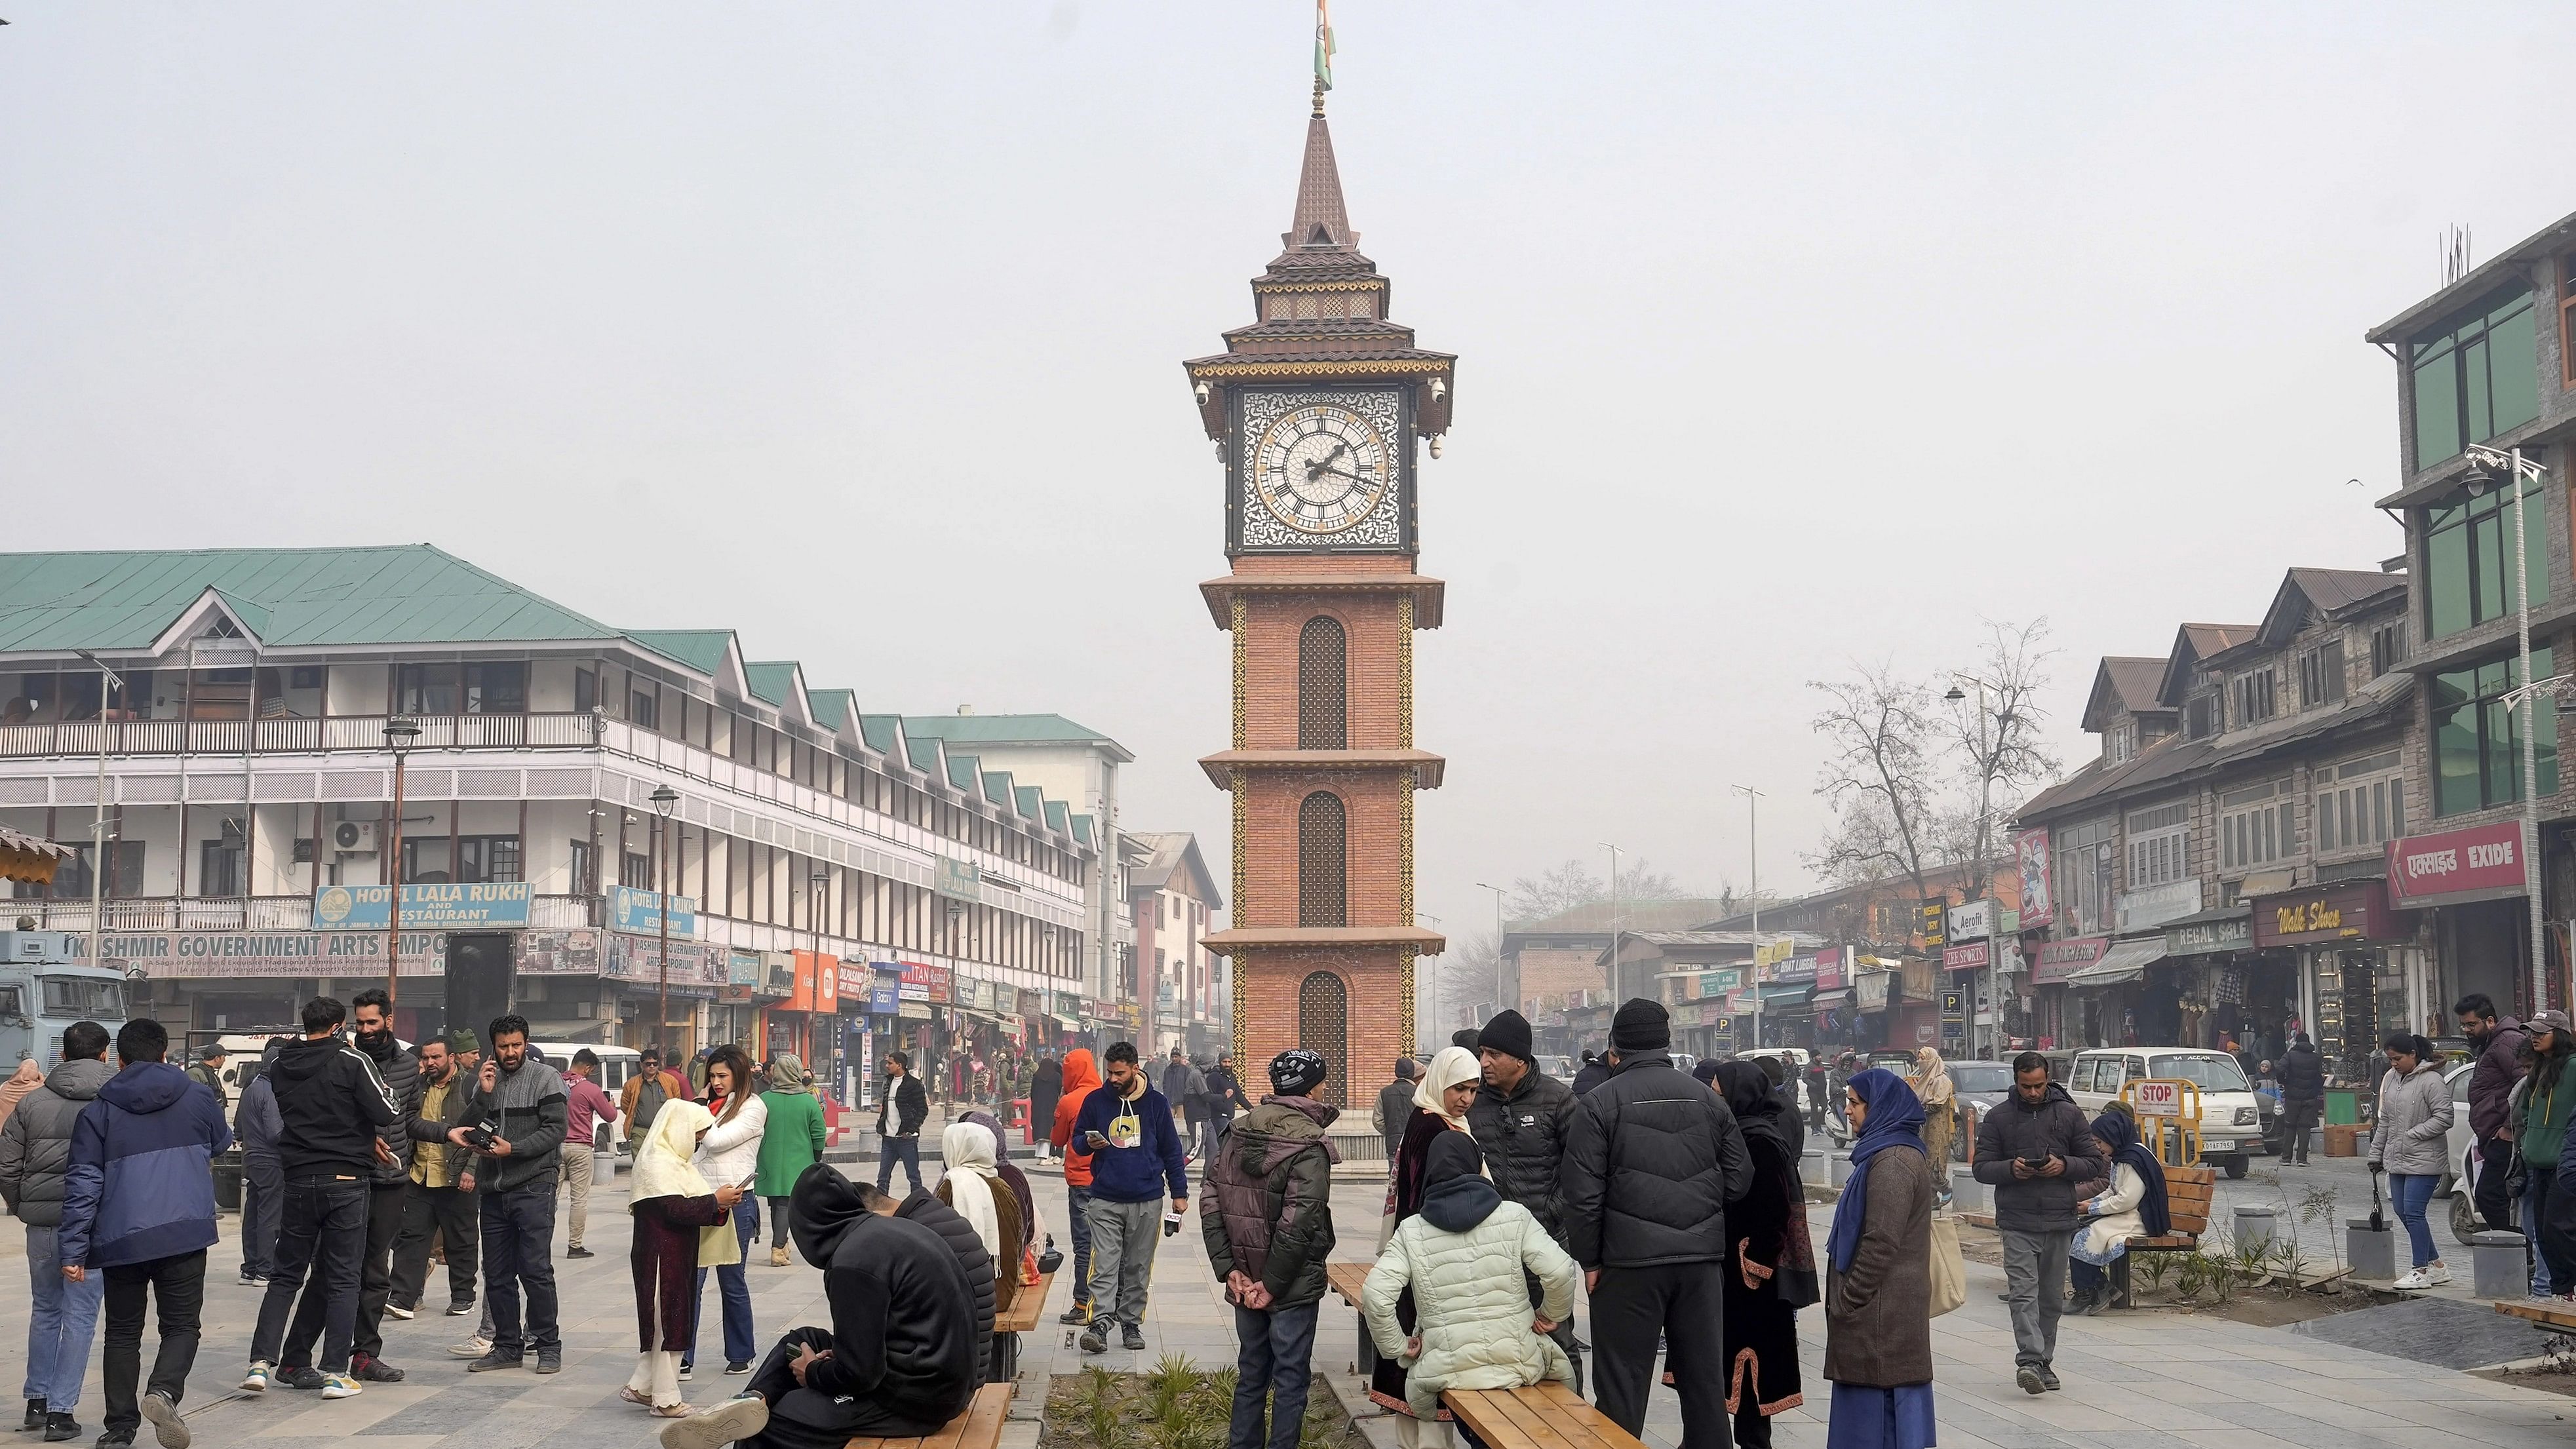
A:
(1616, 985)
(1499, 1003)
(1753, 857)
(664, 798)
(107, 679)
(2527, 695)
(399, 736)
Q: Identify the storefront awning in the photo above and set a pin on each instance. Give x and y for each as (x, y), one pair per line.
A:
(1774, 996)
(2126, 961)
(1839, 996)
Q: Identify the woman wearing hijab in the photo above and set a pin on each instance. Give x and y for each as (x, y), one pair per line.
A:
(1012, 1178)
(729, 1154)
(1878, 1298)
(1465, 1260)
(791, 1140)
(973, 1186)
(680, 1230)
(1940, 1098)
(1773, 1272)
(2133, 1205)
(1440, 1102)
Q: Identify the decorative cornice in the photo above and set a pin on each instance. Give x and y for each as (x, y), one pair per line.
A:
(1424, 767)
(1338, 367)
(1368, 284)
(1423, 593)
(1246, 940)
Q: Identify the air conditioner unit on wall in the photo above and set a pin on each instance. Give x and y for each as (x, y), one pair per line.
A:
(357, 836)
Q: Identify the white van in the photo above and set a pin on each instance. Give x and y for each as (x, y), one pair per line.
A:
(2230, 1124)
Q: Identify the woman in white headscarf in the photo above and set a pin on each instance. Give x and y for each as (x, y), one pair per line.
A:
(681, 1226)
(974, 1187)
(1440, 1102)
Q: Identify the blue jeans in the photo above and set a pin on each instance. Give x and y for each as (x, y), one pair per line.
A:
(735, 1290)
(891, 1150)
(2534, 1192)
(60, 1326)
(2410, 1193)
(1274, 1361)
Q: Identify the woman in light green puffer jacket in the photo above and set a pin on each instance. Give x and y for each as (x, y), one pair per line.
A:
(1463, 1256)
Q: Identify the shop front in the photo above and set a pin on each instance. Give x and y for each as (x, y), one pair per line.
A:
(2055, 1015)
(2474, 882)
(2229, 990)
(2360, 975)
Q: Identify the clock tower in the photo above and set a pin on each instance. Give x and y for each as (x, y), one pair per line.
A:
(1320, 409)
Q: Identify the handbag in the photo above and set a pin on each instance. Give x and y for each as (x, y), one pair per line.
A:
(1949, 1270)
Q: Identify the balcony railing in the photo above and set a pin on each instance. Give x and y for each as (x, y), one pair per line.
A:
(251, 913)
(364, 732)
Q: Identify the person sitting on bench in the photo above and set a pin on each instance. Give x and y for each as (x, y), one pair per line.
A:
(899, 1360)
(2132, 1206)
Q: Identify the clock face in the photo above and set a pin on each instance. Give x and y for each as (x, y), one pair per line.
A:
(1321, 468)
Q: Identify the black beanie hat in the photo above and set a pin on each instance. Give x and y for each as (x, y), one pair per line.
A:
(1641, 1026)
(1296, 1072)
(1508, 1033)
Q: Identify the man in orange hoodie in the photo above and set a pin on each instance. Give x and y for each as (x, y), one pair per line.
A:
(1080, 1076)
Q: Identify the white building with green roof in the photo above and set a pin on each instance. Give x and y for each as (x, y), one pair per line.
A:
(236, 703)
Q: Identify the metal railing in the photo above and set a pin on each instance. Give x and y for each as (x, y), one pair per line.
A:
(365, 732)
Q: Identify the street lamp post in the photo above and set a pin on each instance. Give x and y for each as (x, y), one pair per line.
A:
(1499, 1003)
(1985, 818)
(2523, 472)
(1753, 860)
(1616, 986)
(107, 679)
(820, 880)
(400, 735)
(664, 798)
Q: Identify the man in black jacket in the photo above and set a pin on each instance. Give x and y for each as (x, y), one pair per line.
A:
(1521, 1118)
(2032, 1151)
(372, 1032)
(522, 1099)
(1651, 1161)
(2303, 1097)
(909, 1107)
(332, 1105)
(960, 1236)
(899, 1360)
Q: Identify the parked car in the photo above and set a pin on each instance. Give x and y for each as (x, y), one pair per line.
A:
(2230, 1120)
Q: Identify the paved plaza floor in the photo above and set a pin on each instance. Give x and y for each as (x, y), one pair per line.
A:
(2150, 1381)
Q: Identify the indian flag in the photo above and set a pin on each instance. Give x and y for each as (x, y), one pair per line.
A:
(1323, 46)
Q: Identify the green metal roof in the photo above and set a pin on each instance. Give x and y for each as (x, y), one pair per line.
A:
(962, 770)
(1011, 729)
(770, 679)
(1055, 815)
(1031, 801)
(289, 597)
(831, 706)
(1082, 828)
(880, 731)
(997, 787)
(701, 649)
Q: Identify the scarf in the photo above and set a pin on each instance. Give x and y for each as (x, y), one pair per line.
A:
(787, 1074)
(1893, 1117)
(1453, 1066)
(1756, 1107)
(665, 1166)
(968, 1150)
(1931, 1080)
(2119, 1133)
(1455, 1194)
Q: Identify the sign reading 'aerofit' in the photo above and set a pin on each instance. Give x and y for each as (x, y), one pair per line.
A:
(482, 905)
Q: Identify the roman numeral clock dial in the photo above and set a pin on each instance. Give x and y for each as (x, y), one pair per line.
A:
(1320, 469)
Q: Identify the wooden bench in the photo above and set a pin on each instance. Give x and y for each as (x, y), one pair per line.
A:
(1346, 1279)
(1027, 1307)
(1549, 1416)
(980, 1427)
(2187, 1197)
(2560, 1320)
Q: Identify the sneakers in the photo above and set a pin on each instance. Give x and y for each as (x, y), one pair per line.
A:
(474, 1347)
(458, 1308)
(163, 1416)
(251, 1279)
(499, 1358)
(1133, 1339)
(2030, 1381)
(60, 1427)
(578, 1251)
(550, 1360)
(307, 1379)
(373, 1370)
(2048, 1379)
(116, 1439)
(1095, 1339)
(778, 1256)
(730, 1422)
(2435, 1274)
(398, 1311)
(254, 1382)
(1079, 1313)
(2413, 1280)
(35, 1416)
(688, 1371)
(743, 1367)
(341, 1386)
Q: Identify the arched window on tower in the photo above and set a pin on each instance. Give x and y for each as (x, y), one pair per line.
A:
(1323, 693)
(1323, 1027)
(1322, 845)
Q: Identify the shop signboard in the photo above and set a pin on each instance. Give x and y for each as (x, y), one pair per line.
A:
(855, 982)
(2061, 959)
(1968, 956)
(1797, 971)
(2356, 911)
(1972, 920)
(163, 955)
(639, 911)
(2210, 938)
(777, 973)
(1712, 983)
(1831, 971)
(471, 906)
(960, 880)
(2143, 910)
(1871, 990)
(556, 953)
(698, 968)
(885, 999)
(1934, 913)
(2432, 869)
(924, 983)
(2030, 854)
(913, 1010)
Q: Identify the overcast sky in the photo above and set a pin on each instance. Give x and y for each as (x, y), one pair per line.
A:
(1789, 336)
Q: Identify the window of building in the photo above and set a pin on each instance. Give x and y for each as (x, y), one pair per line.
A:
(585, 691)
(2200, 716)
(2477, 738)
(2253, 697)
(462, 688)
(2470, 573)
(1322, 861)
(2257, 824)
(2321, 675)
(639, 870)
(582, 883)
(2360, 802)
(1323, 710)
(2567, 318)
(645, 709)
(478, 858)
(2084, 864)
(2123, 740)
(72, 878)
(2387, 647)
(219, 864)
(2475, 379)
(2159, 844)
(1323, 1027)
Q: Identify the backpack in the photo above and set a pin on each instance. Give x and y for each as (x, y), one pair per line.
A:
(648, 1101)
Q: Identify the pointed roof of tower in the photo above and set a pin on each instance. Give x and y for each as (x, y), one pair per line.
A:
(1322, 222)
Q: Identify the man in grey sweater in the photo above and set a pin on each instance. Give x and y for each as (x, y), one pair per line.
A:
(35, 1158)
(516, 1121)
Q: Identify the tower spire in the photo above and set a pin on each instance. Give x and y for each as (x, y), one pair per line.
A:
(1321, 221)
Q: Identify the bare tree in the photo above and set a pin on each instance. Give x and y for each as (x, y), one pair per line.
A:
(1993, 735)
(1466, 983)
(1880, 776)
(1572, 883)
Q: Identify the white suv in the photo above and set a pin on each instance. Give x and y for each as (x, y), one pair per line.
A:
(2230, 1122)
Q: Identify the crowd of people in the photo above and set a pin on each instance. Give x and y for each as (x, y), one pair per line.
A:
(2522, 1113)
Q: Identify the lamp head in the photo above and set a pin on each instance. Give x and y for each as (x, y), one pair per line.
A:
(1955, 695)
(664, 798)
(400, 734)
